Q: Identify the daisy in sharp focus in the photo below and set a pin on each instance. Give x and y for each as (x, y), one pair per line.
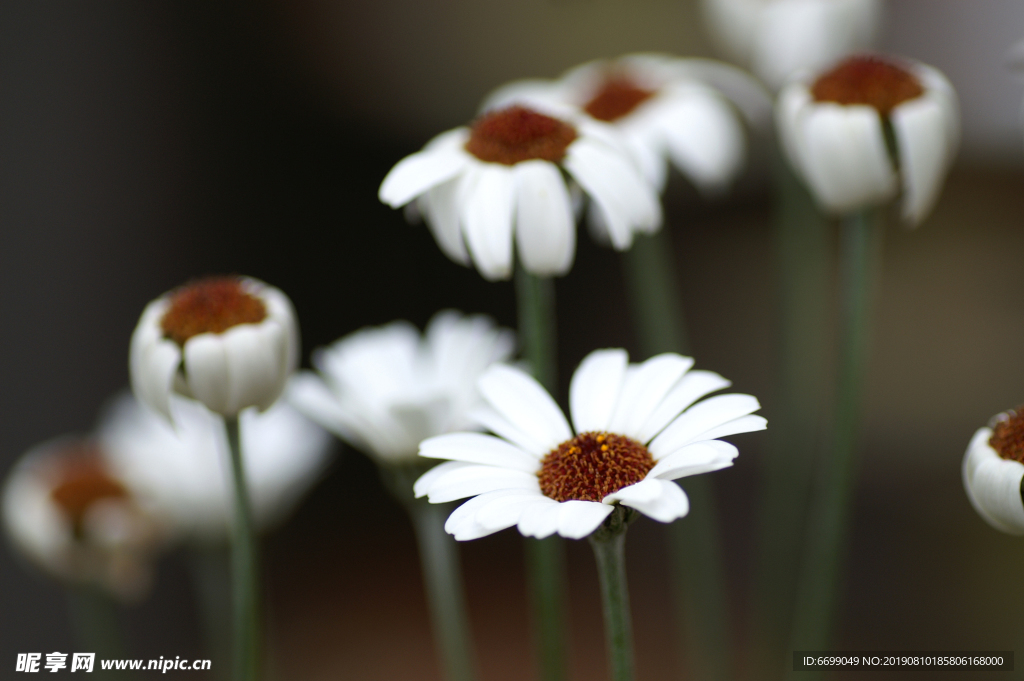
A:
(993, 470)
(869, 128)
(636, 429)
(503, 180)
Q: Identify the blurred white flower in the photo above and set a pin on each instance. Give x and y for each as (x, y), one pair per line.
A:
(384, 390)
(778, 38)
(993, 472)
(636, 430)
(868, 128)
(180, 473)
(666, 108)
(229, 342)
(66, 510)
(501, 180)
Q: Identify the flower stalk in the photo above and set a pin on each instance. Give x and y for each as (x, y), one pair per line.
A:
(95, 621)
(695, 545)
(545, 558)
(609, 542)
(244, 567)
(817, 596)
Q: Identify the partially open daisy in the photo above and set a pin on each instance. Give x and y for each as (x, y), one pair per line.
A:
(479, 187)
(637, 428)
(66, 509)
(993, 471)
(228, 342)
(869, 127)
(665, 108)
(385, 389)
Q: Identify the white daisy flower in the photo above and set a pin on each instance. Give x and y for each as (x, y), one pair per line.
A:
(228, 342)
(66, 510)
(777, 38)
(993, 472)
(664, 107)
(180, 472)
(384, 390)
(479, 187)
(637, 428)
(868, 128)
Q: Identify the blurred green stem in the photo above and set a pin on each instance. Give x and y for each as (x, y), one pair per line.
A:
(244, 567)
(609, 543)
(545, 558)
(96, 626)
(210, 568)
(695, 544)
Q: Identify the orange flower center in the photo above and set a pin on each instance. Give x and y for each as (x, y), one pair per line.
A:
(1008, 436)
(81, 479)
(211, 305)
(516, 134)
(617, 97)
(868, 80)
(591, 466)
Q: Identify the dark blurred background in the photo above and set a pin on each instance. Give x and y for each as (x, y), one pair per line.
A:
(143, 144)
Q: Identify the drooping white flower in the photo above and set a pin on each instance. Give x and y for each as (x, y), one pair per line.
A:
(385, 389)
(65, 509)
(501, 180)
(778, 38)
(636, 429)
(180, 472)
(228, 342)
(993, 472)
(665, 108)
(868, 128)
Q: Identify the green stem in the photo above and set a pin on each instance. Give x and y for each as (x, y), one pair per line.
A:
(244, 568)
(545, 558)
(817, 596)
(96, 625)
(695, 545)
(804, 253)
(609, 543)
(210, 570)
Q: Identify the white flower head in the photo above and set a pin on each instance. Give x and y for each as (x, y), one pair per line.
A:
(228, 342)
(637, 427)
(503, 179)
(665, 108)
(993, 472)
(385, 389)
(777, 38)
(868, 128)
(65, 509)
(181, 473)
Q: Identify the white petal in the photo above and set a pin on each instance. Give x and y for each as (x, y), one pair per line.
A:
(744, 424)
(206, 371)
(426, 482)
(505, 511)
(471, 480)
(594, 390)
(494, 422)
(521, 401)
(661, 500)
(480, 449)
(578, 519)
(701, 418)
(705, 138)
(254, 367)
(993, 485)
(487, 218)
(690, 388)
(545, 227)
(442, 210)
(923, 147)
(645, 387)
(462, 522)
(694, 459)
(153, 360)
(847, 164)
(540, 520)
(415, 174)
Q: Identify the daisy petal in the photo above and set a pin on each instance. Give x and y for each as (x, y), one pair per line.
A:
(442, 209)
(701, 418)
(540, 520)
(425, 482)
(578, 519)
(505, 511)
(206, 370)
(487, 216)
(705, 138)
(472, 480)
(993, 485)
(690, 388)
(462, 521)
(744, 424)
(645, 387)
(545, 226)
(492, 421)
(661, 500)
(480, 449)
(417, 173)
(253, 352)
(521, 401)
(594, 390)
(924, 154)
(693, 459)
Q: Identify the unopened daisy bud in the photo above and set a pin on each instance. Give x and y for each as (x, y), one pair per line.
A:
(869, 127)
(993, 470)
(66, 510)
(777, 38)
(228, 342)
(501, 180)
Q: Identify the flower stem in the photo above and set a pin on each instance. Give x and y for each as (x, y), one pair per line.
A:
(609, 542)
(210, 571)
(545, 558)
(94, 619)
(695, 545)
(244, 568)
(860, 257)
